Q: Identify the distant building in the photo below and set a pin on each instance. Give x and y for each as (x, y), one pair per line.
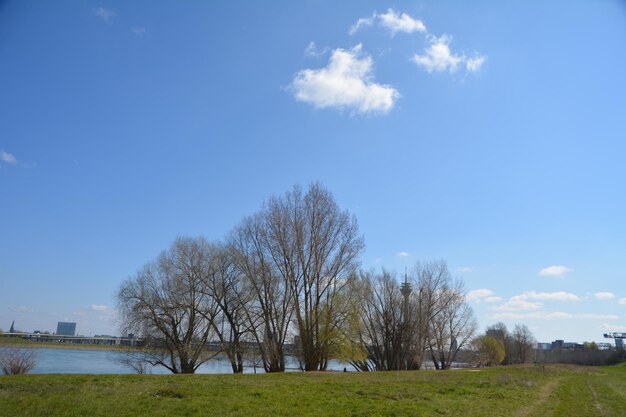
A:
(557, 344)
(66, 328)
(544, 346)
(561, 344)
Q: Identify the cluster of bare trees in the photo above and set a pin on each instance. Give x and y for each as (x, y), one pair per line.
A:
(290, 272)
(285, 267)
(401, 326)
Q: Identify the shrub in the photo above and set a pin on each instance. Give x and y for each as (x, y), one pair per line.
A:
(14, 361)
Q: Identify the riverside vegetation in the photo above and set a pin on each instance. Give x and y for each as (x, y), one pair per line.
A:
(554, 390)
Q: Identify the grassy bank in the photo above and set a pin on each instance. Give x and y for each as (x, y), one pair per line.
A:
(512, 391)
(19, 342)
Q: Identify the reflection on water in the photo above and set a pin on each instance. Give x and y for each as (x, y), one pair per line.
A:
(86, 361)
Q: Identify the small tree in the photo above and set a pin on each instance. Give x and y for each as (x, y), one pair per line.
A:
(499, 332)
(523, 342)
(488, 351)
(14, 361)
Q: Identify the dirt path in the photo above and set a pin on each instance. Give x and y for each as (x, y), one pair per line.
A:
(596, 403)
(544, 394)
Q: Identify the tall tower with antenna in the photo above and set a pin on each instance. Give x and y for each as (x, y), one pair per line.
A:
(405, 288)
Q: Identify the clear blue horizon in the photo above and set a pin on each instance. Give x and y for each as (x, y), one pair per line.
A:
(491, 135)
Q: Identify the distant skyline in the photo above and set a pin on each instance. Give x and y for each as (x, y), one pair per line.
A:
(488, 134)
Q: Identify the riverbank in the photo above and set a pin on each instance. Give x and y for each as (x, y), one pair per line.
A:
(503, 391)
(20, 342)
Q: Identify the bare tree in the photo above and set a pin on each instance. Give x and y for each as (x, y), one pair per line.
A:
(166, 303)
(432, 281)
(523, 343)
(225, 285)
(315, 247)
(15, 360)
(269, 296)
(385, 333)
(451, 328)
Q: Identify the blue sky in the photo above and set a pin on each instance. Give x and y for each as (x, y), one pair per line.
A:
(489, 134)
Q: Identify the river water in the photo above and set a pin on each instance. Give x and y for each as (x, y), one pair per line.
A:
(92, 361)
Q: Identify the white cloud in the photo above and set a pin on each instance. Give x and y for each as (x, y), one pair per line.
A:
(515, 304)
(403, 254)
(622, 300)
(23, 309)
(522, 301)
(99, 307)
(397, 22)
(557, 315)
(391, 20)
(478, 294)
(466, 269)
(105, 14)
(346, 82)
(139, 31)
(604, 295)
(438, 57)
(554, 271)
(482, 294)
(8, 158)
(549, 296)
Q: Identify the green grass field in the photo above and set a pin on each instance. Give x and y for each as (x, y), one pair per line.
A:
(505, 391)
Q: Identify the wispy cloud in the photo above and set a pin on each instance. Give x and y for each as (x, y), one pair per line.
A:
(391, 20)
(8, 158)
(403, 254)
(362, 22)
(345, 83)
(554, 271)
(23, 309)
(313, 51)
(105, 14)
(612, 328)
(557, 315)
(438, 57)
(139, 31)
(98, 307)
(466, 269)
(604, 295)
(474, 64)
(622, 301)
